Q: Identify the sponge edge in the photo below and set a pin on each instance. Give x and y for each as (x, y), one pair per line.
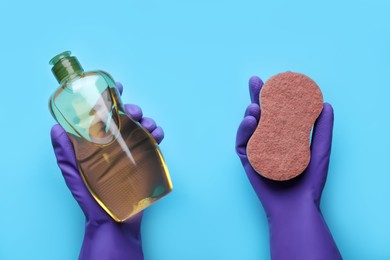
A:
(279, 149)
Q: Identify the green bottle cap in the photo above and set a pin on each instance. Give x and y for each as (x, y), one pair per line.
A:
(65, 65)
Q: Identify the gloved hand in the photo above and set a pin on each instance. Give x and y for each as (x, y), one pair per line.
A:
(297, 227)
(104, 238)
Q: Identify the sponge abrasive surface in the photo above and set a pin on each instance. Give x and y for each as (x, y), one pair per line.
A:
(279, 149)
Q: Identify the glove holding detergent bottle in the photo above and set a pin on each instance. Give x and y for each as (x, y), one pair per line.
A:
(297, 227)
(108, 154)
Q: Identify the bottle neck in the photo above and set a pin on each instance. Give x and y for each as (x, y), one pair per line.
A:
(66, 68)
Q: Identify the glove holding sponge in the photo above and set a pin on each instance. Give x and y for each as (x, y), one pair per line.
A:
(270, 143)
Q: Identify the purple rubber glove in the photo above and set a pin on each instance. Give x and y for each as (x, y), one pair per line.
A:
(297, 227)
(104, 238)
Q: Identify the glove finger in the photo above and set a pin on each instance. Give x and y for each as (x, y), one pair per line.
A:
(253, 110)
(158, 134)
(134, 111)
(245, 131)
(120, 87)
(67, 163)
(321, 143)
(255, 85)
(148, 123)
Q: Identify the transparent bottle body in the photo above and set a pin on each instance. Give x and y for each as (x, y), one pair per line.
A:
(119, 161)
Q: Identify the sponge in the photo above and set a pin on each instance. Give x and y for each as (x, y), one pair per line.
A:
(279, 149)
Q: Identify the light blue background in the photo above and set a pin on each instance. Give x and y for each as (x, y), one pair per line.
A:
(187, 63)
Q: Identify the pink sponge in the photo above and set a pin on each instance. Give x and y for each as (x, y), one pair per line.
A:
(279, 149)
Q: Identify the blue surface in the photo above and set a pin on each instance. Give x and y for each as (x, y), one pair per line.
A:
(187, 63)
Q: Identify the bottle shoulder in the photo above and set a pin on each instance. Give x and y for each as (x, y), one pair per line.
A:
(104, 74)
(97, 79)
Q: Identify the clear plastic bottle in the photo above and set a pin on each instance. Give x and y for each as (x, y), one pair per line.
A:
(120, 162)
